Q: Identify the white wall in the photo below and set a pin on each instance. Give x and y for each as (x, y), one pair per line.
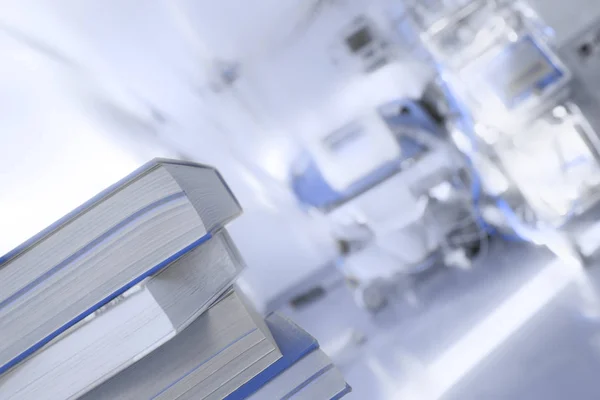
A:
(130, 59)
(61, 141)
(52, 158)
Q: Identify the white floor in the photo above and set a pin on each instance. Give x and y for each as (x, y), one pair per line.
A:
(515, 327)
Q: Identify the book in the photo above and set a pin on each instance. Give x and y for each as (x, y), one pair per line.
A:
(303, 371)
(128, 328)
(312, 377)
(103, 248)
(219, 352)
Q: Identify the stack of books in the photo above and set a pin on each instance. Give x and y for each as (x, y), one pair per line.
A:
(132, 296)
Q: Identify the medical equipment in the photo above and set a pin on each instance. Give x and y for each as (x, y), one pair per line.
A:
(388, 185)
(363, 45)
(514, 108)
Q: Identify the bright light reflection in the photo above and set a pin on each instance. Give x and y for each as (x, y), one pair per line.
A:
(449, 368)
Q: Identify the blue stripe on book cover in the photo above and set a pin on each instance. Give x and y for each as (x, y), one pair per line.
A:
(89, 247)
(344, 392)
(293, 342)
(170, 385)
(101, 196)
(307, 382)
(102, 303)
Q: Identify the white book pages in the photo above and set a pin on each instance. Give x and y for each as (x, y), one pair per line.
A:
(89, 354)
(312, 377)
(225, 378)
(128, 328)
(208, 356)
(100, 250)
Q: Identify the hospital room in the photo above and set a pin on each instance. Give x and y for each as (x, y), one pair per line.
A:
(300, 199)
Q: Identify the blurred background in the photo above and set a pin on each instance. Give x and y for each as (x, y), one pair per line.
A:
(420, 178)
